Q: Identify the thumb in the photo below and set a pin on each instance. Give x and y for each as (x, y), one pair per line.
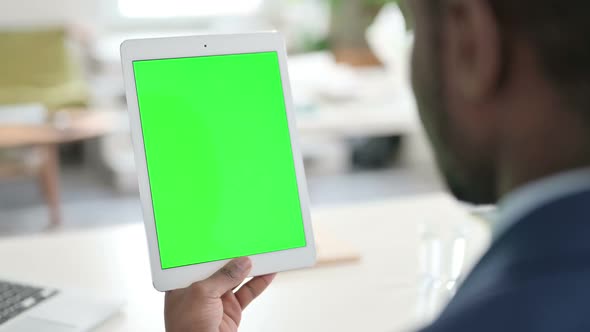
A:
(228, 277)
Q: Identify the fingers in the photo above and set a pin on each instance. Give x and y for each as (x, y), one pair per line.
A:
(232, 307)
(228, 277)
(252, 289)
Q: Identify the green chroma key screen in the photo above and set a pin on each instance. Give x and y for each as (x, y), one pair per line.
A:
(219, 157)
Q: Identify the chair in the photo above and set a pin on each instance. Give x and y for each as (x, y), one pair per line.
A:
(38, 66)
(39, 77)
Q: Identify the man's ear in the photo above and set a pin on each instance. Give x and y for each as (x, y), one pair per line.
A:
(473, 48)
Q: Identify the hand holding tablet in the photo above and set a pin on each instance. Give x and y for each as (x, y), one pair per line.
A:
(214, 304)
(219, 167)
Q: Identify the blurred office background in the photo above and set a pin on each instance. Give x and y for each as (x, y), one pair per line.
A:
(66, 159)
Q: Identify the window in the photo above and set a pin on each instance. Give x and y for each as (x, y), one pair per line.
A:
(187, 8)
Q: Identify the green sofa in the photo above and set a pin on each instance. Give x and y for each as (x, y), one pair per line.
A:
(37, 66)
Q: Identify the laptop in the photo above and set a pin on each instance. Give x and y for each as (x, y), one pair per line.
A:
(28, 308)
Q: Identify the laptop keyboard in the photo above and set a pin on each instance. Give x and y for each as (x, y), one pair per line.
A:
(16, 299)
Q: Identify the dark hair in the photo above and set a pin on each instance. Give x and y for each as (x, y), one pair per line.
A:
(559, 32)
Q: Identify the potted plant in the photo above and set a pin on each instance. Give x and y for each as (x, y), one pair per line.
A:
(350, 19)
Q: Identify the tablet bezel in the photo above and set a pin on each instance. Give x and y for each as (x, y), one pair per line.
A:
(210, 45)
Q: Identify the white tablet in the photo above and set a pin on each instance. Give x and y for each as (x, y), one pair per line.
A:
(220, 172)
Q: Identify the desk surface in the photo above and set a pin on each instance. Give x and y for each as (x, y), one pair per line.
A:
(379, 293)
(78, 125)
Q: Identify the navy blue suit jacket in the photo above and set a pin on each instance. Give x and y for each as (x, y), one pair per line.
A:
(535, 277)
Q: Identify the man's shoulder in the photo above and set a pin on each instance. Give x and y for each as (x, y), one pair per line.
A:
(552, 301)
(533, 278)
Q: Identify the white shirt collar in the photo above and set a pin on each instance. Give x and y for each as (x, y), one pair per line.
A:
(524, 200)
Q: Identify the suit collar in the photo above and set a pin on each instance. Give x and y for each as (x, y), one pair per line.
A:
(526, 199)
(553, 236)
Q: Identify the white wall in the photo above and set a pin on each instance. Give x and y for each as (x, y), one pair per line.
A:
(42, 12)
(103, 13)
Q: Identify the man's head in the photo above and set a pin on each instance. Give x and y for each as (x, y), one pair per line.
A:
(503, 88)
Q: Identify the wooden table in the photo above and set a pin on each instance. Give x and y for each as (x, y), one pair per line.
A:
(67, 126)
(384, 291)
(76, 125)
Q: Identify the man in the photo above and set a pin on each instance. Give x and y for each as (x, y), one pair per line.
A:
(504, 92)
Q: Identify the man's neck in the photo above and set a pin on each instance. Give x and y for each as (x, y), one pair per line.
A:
(551, 154)
(540, 137)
